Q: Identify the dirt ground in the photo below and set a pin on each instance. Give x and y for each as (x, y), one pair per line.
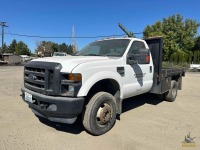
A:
(146, 122)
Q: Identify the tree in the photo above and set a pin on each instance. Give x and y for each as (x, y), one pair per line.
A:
(178, 34)
(197, 44)
(63, 47)
(55, 47)
(5, 48)
(44, 48)
(12, 46)
(70, 50)
(22, 49)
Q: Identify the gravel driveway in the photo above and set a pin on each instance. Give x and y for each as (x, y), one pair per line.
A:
(146, 122)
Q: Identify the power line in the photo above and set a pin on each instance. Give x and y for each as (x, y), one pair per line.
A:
(59, 37)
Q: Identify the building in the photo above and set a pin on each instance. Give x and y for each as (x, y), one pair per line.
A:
(11, 59)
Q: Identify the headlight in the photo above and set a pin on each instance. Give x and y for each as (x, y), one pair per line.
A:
(70, 90)
(70, 84)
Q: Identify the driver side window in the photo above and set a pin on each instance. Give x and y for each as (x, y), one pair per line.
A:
(139, 53)
(136, 45)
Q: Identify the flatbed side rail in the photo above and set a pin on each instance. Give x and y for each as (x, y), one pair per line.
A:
(168, 72)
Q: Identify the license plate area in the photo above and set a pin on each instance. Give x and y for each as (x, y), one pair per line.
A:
(28, 97)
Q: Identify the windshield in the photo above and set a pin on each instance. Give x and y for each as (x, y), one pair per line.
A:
(115, 47)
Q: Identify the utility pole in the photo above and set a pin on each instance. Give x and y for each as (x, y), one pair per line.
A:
(74, 46)
(2, 25)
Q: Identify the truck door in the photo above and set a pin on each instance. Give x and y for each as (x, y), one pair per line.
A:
(139, 76)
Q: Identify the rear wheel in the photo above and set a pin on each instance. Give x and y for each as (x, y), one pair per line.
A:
(100, 113)
(172, 93)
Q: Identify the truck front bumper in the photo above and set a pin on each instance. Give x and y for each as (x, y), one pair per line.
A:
(57, 109)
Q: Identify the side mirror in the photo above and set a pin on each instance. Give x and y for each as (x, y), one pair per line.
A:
(142, 56)
(130, 59)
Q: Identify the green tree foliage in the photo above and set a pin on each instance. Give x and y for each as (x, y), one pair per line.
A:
(63, 47)
(5, 48)
(190, 56)
(12, 46)
(196, 50)
(22, 49)
(55, 47)
(19, 48)
(178, 34)
(70, 50)
(197, 44)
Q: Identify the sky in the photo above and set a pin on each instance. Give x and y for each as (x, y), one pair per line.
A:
(89, 18)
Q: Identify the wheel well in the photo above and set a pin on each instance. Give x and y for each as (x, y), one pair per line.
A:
(107, 85)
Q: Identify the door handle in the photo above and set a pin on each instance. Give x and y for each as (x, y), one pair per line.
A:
(150, 69)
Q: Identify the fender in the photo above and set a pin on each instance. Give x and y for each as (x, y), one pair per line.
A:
(90, 81)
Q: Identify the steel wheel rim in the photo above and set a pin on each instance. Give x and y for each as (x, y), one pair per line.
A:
(104, 114)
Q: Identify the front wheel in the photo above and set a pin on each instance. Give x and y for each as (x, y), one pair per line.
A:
(100, 113)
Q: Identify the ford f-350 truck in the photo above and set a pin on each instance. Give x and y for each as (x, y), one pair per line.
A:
(95, 81)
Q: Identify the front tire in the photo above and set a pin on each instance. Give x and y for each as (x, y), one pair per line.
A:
(100, 113)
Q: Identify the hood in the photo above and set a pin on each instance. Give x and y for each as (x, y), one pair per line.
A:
(70, 62)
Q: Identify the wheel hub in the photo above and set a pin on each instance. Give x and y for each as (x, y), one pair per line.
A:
(104, 114)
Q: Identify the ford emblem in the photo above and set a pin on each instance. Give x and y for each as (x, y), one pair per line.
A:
(32, 77)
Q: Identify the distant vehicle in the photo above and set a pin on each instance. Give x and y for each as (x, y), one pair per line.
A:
(59, 54)
(25, 58)
(195, 66)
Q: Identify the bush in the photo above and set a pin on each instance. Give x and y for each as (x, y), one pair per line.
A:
(168, 64)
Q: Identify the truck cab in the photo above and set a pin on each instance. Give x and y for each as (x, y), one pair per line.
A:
(96, 80)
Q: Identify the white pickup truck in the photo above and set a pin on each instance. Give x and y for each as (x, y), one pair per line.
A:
(96, 81)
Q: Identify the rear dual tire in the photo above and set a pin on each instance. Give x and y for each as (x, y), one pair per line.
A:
(170, 96)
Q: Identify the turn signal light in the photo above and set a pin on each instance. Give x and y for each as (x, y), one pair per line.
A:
(75, 77)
